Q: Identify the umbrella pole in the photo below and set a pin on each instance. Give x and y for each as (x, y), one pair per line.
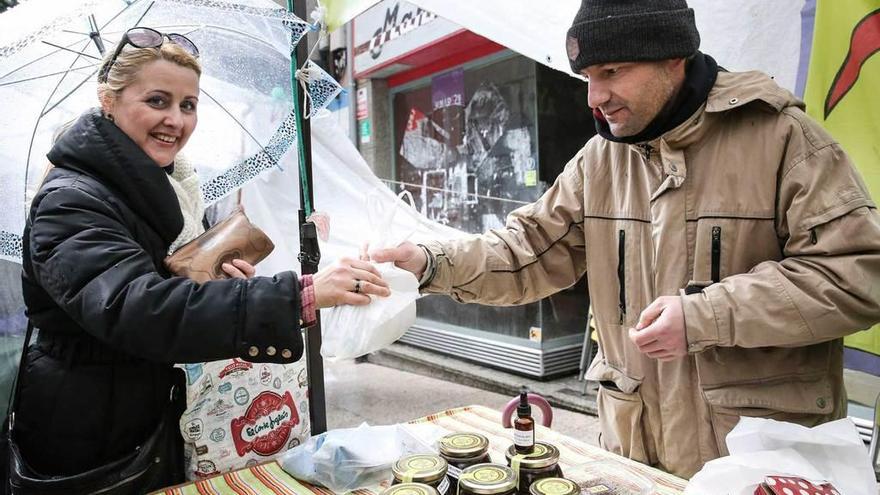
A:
(310, 253)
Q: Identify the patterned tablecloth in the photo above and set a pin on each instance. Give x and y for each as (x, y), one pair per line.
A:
(578, 460)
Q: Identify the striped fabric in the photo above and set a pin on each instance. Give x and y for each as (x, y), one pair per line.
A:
(269, 478)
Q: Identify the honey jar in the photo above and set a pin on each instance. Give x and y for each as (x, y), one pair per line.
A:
(411, 489)
(462, 450)
(487, 479)
(554, 486)
(429, 469)
(541, 463)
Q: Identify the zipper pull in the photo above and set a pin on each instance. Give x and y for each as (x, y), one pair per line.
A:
(813, 238)
(716, 254)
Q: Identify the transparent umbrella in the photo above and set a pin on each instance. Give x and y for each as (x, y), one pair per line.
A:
(48, 78)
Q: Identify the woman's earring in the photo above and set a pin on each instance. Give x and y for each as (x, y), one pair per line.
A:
(110, 117)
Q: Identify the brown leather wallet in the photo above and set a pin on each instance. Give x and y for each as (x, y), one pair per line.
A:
(202, 258)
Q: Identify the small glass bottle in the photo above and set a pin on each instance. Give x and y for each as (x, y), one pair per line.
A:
(524, 425)
(554, 486)
(462, 450)
(487, 479)
(429, 469)
(542, 463)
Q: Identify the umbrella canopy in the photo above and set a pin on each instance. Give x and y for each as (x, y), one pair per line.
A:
(48, 78)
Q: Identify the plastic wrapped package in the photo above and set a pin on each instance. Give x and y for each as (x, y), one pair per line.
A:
(350, 458)
(609, 478)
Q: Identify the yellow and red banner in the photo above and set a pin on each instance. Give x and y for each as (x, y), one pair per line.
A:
(843, 93)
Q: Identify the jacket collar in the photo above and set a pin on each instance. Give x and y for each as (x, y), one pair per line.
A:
(96, 147)
(732, 90)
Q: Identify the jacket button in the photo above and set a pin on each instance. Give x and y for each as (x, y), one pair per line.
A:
(270, 351)
(821, 402)
(734, 101)
(286, 354)
(253, 351)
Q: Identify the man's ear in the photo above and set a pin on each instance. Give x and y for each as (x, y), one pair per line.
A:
(677, 64)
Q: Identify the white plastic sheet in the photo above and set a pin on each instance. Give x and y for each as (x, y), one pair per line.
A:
(832, 452)
(743, 35)
(341, 179)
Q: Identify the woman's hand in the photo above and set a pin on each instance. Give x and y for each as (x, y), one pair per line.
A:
(239, 269)
(348, 282)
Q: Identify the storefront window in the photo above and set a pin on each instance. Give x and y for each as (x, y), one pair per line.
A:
(466, 146)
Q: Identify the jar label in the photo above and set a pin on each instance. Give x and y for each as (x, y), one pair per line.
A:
(556, 486)
(461, 441)
(443, 486)
(453, 471)
(524, 438)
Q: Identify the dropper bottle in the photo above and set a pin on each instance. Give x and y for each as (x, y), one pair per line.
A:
(524, 425)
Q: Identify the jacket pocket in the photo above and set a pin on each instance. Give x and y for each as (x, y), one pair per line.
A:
(620, 416)
(620, 410)
(805, 402)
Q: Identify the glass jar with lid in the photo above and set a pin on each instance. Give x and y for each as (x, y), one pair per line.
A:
(554, 486)
(542, 463)
(411, 489)
(429, 469)
(462, 450)
(487, 479)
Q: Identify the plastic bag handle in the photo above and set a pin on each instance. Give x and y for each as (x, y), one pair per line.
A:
(382, 220)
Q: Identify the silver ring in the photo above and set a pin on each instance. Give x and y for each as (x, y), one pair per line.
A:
(357, 286)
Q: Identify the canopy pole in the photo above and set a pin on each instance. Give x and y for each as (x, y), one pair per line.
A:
(310, 253)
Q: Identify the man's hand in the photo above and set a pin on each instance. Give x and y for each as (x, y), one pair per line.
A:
(406, 256)
(660, 332)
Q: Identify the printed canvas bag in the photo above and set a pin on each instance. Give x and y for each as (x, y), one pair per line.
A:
(240, 414)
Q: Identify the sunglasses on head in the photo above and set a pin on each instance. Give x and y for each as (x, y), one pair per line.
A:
(144, 37)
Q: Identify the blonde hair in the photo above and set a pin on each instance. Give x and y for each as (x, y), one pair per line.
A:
(128, 64)
(124, 71)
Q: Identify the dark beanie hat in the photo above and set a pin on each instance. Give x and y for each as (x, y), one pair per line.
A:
(631, 31)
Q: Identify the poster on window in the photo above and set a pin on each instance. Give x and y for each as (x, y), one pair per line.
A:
(466, 144)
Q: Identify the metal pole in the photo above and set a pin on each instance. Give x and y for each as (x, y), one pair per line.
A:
(310, 254)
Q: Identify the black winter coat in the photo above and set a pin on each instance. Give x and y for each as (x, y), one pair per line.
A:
(112, 320)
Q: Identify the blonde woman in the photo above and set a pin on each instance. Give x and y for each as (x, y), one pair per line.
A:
(95, 386)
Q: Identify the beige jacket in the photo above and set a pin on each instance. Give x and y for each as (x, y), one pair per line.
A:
(750, 199)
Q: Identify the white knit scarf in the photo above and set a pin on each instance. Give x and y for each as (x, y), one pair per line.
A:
(185, 182)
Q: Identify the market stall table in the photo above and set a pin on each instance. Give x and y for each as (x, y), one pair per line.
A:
(270, 478)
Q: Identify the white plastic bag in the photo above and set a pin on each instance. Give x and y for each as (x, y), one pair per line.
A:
(352, 331)
(831, 452)
(351, 458)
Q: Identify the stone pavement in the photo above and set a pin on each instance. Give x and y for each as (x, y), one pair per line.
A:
(359, 392)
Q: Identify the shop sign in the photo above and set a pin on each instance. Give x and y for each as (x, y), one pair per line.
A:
(363, 108)
(393, 28)
(365, 131)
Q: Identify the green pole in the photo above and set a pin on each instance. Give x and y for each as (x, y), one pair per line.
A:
(300, 146)
(310, 251)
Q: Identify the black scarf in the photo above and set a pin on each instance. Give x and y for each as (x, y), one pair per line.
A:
(698, 81)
